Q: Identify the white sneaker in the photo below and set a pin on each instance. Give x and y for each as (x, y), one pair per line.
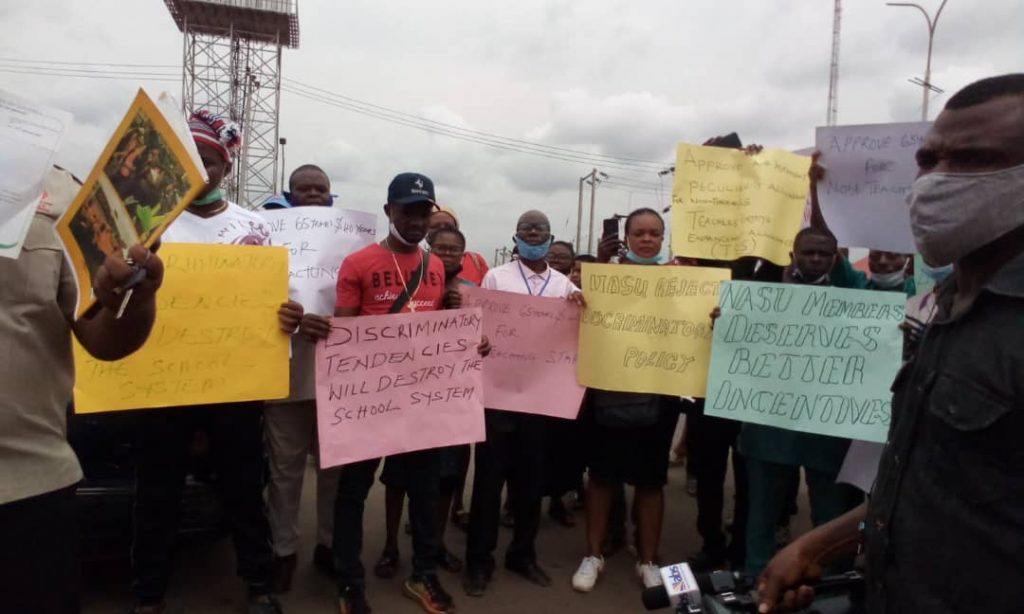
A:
(586, 576)
(649, 574)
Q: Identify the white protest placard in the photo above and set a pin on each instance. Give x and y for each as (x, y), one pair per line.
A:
(868, 173)
(30, 135)
(318, 240)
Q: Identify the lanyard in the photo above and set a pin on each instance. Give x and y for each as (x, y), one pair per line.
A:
(527, 283)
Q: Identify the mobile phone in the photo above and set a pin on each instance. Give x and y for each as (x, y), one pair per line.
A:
(611, 227)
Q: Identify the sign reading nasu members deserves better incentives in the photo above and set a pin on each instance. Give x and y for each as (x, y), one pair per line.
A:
(215, 340)
(726, 204)
(399, 383)
(806, 358)
(647, 328)
(869, 170)
(535, 340)
(318, 240)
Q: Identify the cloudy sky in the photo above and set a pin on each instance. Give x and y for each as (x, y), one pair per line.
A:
(619, 78)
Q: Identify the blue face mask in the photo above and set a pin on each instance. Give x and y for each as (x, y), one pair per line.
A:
(532, 252)
(937, 274)
(633, 257)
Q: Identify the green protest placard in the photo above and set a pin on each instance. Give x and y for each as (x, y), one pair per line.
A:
(806, 358)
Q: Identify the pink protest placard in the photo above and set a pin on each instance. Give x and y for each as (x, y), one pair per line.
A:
(532, 366)
(399, 383)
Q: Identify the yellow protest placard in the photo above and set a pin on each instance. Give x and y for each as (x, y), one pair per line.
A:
(726, 204)
(648, 328)
(216, 337)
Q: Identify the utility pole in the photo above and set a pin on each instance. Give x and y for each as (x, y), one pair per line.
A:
(282, 142)
(593, 189)
(833, 76)
(926, 85)
(579, 216)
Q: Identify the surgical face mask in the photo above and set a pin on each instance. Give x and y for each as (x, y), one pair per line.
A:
(955, 214)
(634, 257)
(398, 235)
(532, 252)
(888, 281)
(215, 196)
(936, 274)
(820, 281)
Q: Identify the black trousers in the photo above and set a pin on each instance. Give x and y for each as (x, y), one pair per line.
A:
(514, 451)
(419, 474)
(710, 442)
(563, 461)
(236, 446)
(39, 554)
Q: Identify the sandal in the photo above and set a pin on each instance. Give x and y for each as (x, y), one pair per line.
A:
(449, 562)
(387, 565)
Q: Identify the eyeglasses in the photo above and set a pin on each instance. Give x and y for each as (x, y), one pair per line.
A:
(537, 227)
(447, 251)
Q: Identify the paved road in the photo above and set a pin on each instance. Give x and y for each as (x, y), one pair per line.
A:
(204, 580)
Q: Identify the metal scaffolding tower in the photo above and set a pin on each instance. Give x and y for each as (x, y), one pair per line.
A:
(232, 65)
(833, 76)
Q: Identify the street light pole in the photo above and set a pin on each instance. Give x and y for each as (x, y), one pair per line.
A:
(932, 22)
(590, 234)
(579, 216)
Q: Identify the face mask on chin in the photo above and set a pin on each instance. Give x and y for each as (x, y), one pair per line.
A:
(955, 214)
(397, 235)
(798, 275)
(888, 281)
(532, 252)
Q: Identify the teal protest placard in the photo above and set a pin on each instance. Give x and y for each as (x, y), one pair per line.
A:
(806, 358)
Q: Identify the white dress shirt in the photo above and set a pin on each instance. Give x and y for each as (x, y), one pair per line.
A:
(518, 278)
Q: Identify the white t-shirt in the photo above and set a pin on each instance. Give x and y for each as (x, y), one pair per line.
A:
(234, 226)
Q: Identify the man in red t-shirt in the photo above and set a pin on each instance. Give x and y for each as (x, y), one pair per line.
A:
(393, 276)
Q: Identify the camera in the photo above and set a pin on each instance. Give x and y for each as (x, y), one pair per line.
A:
(726, 592)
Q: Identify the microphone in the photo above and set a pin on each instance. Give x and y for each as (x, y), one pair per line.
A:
(680, 585)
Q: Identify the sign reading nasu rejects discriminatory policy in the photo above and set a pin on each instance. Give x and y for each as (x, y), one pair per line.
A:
(399, 383)
(647, 328)
(806, 358)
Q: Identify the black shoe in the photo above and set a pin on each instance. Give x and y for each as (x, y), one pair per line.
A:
(428, 592)
(475, 583)
(323, 559)
(352, 600)
(264, 604)
(532, 572)
(449, 562)
(705, 561)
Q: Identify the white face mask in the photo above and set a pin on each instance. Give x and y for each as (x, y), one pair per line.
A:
(888, 281)
(954, 214)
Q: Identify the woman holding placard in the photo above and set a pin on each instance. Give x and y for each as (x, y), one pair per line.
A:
(627, 435)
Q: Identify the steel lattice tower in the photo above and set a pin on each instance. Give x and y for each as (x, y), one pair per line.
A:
(231, 65)
(833, 71)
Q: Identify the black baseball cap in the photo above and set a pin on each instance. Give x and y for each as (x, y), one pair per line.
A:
(409, 188)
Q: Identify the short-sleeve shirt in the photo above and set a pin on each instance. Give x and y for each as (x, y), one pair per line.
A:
(372, 280)
(516, 277)
(37, 306)
(234, 226)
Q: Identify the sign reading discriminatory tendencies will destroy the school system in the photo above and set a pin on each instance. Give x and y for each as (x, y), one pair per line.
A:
(535, 341)
(869, 170)
(726, 204)
(215, 340)
(647, 328)
(398, 383)
(806, 358)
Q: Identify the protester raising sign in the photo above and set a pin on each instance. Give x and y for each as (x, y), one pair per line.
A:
(726, 204)
(215, 340)
(399, 383)
(806, 358)
(532, 366)
(869, 171)
(318, 239)
(647, 328)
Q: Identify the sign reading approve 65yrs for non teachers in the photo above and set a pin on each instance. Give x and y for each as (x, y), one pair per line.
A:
(398, 383)
(806, 358)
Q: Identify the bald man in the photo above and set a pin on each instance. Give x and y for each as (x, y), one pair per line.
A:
(514, 440)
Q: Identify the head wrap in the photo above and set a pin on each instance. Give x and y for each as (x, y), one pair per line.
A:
(451, 212)
(217, 132)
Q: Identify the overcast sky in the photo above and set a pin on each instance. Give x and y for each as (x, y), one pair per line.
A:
(623, 78)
